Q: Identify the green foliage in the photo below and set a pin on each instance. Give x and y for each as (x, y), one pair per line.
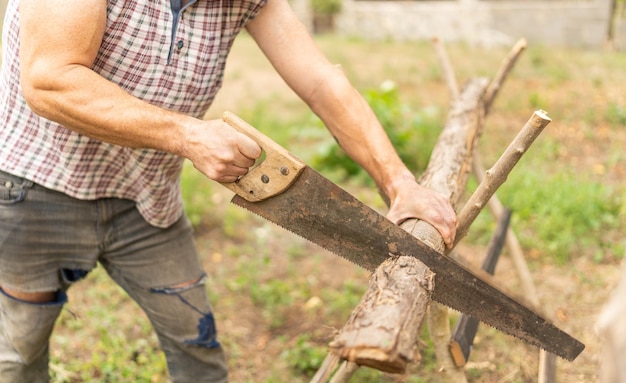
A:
(412, 133)
(342, 301)
(616, 114)
(305, 357)
(562, 215)
(326, 7)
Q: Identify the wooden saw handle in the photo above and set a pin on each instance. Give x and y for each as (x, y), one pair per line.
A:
(278, 170)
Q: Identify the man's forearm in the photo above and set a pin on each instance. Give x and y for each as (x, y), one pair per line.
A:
(83, 101)
(353, 123)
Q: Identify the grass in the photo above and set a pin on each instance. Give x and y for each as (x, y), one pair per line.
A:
(271, 291)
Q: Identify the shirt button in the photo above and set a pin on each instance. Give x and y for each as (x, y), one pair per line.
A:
(180, 44)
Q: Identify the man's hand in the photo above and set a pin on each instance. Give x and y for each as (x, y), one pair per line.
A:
(415, 201)
(219, 151)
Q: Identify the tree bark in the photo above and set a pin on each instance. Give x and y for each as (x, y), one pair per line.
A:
(377, 334)
(383, 328)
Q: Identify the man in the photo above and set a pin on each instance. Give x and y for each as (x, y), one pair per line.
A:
(101, 102)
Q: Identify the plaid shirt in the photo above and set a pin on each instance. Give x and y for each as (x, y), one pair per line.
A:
(170, 57)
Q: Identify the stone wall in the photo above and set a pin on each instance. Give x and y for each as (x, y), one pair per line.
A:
(566, 23)
(578, 24)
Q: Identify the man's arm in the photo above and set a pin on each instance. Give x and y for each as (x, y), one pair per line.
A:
(59, 42)
(324, 87)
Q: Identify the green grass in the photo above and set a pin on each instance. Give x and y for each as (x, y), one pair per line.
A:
(561, 210)
(565, 215)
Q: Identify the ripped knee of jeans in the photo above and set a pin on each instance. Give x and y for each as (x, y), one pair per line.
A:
(182, 287)
(207, 330)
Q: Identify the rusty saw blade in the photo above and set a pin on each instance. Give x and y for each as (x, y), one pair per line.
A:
(315, 208)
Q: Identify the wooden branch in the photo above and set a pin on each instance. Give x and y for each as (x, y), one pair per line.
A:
(547, 367)
(547, 361)
(345, 372)
(506, 66)
(515, 249)
(447, 173)
(326, 369)
(446, 67)
(501, 168)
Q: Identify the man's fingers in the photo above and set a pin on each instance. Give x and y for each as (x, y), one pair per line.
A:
(448, 230)
(248, 148)
(431, 208)
(232, 174)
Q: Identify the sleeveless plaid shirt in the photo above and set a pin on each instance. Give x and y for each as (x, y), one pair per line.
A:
(170, 57)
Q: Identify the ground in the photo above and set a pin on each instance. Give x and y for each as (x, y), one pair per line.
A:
(571, 295)
(279, 299)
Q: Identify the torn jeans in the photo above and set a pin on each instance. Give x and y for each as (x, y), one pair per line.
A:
(49, 241)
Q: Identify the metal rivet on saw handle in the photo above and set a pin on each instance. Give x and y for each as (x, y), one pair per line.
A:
(265, 179)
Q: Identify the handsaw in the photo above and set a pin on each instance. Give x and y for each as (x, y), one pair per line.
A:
(287, 192)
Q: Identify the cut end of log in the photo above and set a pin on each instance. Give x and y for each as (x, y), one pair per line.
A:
(382, 331)
(375, 358)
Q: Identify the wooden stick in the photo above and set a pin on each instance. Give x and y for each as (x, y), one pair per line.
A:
(346, 370)
(496, 176)
(447, 173)
(446, 67)
(515, 249)
(506, 66)
(326, 369)
(547, 361)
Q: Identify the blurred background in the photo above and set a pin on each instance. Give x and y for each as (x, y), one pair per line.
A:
(279, 300)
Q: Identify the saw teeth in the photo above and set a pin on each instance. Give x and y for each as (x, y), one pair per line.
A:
(306, 239)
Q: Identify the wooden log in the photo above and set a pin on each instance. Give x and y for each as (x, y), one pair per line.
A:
(382, 330)
(447, 173)
(372, 335)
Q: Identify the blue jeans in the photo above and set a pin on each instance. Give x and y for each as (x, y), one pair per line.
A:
(49, 241)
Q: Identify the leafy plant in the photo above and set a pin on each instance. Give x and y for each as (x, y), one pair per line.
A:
(412, 133)
(305, 357)
(326, 7)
